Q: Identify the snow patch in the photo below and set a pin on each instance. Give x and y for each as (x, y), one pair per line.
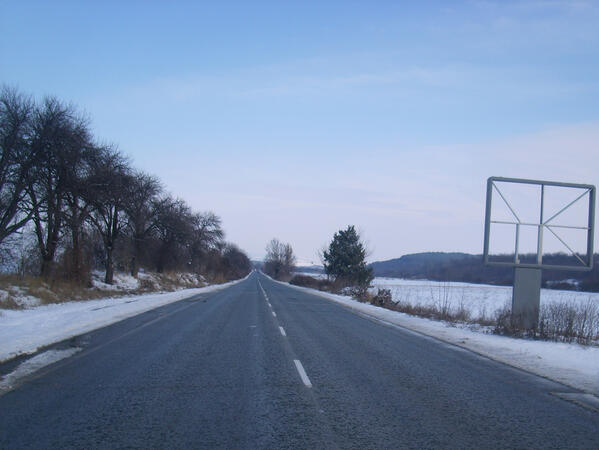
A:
(19, 296)
(34, 364)
(122, 282)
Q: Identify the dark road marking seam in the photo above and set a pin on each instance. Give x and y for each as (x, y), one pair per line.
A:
(588, 401)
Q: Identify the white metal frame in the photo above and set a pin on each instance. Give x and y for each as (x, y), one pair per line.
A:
(586, 261)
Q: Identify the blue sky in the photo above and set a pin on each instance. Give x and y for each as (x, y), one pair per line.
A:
(295, 119)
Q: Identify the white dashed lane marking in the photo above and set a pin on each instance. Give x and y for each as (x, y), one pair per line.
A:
(302, 373)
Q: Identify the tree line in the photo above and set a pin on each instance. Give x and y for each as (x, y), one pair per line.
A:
(86, 206)
(279, 262)
(470, 268)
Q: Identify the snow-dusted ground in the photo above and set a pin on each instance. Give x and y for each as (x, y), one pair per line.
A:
(123, 283)
(24, 331)
(571, 364)
(482, 300)
(20, 296)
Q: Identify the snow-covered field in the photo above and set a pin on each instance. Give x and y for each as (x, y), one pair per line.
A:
(24, 331)
(481, 300)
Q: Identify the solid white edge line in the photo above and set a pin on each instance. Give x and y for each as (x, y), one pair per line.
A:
(302, 373)
(282, 331)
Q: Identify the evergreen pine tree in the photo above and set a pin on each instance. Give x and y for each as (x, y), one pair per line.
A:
(345, 259)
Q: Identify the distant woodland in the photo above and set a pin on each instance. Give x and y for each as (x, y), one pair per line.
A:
(469, 268)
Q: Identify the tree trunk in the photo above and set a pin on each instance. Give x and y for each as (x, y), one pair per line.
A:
(109, 276)
(134, 267)
(110, 241)
(77, 257)
(47, 267)
(161, 261)
(135, 259)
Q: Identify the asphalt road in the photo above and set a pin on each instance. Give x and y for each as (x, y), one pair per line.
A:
(262, 365)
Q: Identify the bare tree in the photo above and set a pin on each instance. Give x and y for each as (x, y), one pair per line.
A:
(175, 230)
(288, 259)
(142, 211)
(280, 261)
(207, 234)
(235, 263)
(79, 195)
(111, 179)
(79, 198)
(16, 160)
(58, 135)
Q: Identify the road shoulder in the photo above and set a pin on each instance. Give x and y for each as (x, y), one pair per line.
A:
(570, 364)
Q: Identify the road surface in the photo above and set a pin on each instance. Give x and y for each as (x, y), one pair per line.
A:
(263, 365)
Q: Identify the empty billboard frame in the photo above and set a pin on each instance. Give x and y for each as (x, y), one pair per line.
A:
(543, 225)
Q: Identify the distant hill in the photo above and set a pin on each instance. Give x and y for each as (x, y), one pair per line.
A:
(301, 266)
(416, 264)
(469, 268)
(315, 268)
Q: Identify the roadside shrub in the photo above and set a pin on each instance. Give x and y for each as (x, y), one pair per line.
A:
(570, 322)
(504, 324)
(359, 293)
(305, 281)
(561, 322)
(383, 298)
(315, 283)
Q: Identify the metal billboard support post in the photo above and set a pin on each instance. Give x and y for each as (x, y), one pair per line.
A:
(526, 293)
(526, 297)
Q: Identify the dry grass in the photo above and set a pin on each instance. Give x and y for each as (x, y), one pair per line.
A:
(9, 302)
(52, 291)
(561, 322)
(14, 288)
(167, 281)
(566, 321)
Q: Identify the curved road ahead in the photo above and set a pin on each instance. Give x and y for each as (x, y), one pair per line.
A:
(263, 365)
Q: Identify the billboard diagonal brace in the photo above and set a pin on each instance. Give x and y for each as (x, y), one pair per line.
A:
(507, 203)
(566, 245)
(567, 206)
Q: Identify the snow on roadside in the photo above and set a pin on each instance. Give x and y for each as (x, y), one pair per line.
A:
(480, 300)
(19, 296)
(24, 331)
(572, 364)
(122, 281)
(33, 365)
